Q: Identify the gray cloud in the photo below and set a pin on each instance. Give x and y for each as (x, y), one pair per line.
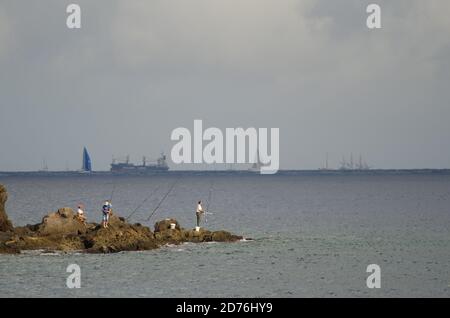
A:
(138, 69)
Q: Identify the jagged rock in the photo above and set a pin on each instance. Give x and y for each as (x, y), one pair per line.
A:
(170, 236)
(165, 225)
(208, 236)
(196, 236)
(224, 236)
(62, 222)
(164, 232)
(6, 243)
(5, 223)
(51, 243)
(119, 236)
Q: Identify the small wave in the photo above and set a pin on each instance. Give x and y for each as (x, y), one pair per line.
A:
(176, 246)
(42, 252)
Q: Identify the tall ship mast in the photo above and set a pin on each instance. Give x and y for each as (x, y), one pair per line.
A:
(325, 167)
(344, 164)
(352, 166)
(44, 166)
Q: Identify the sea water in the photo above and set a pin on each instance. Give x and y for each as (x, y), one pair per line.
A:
(313, 235)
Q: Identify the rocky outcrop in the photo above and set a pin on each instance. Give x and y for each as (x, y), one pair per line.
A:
(5, 223)
(165, 233)
(62, 231)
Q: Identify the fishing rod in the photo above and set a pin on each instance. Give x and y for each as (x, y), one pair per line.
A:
(113, 190)
(162, 200)
(142, 203)
(208, 202)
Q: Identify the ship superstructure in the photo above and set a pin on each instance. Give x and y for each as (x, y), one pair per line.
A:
(126, 167)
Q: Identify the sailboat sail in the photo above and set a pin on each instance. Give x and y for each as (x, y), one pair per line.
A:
(87, 166)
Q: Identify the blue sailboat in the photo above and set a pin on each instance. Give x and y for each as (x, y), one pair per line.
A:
(87, 165)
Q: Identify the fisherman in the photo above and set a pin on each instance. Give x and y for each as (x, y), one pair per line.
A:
(199, 212)
(80, 214)
(106, 213)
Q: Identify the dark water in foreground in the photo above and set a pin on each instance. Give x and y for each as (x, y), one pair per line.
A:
(314, 236)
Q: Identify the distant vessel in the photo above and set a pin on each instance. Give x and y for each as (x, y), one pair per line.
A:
(44, 166)
(352, 166)
(325, 168)
(86, 166)
(125, 167)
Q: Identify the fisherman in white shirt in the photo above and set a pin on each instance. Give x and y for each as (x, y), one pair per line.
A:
(199, 212)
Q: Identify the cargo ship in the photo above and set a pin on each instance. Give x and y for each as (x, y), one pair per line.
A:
(126, 167)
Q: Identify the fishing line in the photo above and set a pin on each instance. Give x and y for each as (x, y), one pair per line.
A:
(142, 203)
(113, 190)
(208, 202)
(162, 200)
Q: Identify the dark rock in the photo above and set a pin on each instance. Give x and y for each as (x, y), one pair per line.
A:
(7, 243)
(119, 236)
(196, 236)
(224, 236)
(165, 225)
(170, 236)
(5, 223)
(165, 234)
(208, 236)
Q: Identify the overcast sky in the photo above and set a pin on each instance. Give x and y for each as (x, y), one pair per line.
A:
(138, 69)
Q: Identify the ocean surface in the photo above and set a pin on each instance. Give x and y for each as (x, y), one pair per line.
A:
(313, 236)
